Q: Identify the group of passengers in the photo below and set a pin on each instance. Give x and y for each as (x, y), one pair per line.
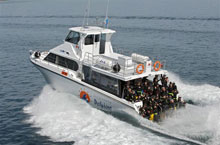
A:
(157, 97)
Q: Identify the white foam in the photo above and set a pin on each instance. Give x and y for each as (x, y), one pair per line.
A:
(202, 94)
(63, 117)
(200, 121)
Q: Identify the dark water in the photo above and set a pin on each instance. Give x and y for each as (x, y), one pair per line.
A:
(189, 44)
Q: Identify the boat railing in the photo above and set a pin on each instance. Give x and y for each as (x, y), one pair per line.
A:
(90, 59)
(107, 64)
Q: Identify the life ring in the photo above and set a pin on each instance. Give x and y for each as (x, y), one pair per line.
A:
(140, 71)
(155, 66)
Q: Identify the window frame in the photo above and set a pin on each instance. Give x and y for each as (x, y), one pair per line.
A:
(72, 40)
(98, 80)
(51, 59)
(63, 62)
(89, 42)
(97, 38)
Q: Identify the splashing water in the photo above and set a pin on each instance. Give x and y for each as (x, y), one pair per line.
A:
(202, 94)
(201, 121)
(64, 117)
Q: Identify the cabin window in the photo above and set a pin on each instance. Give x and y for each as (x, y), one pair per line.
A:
(102, 44)
(104, 82)
(101, 81)
(72, 65)
(62, 61)
(73, 37)
(87, 72)
(51, 58)
(89, 40)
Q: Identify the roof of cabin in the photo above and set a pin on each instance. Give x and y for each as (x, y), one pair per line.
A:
(91, 30)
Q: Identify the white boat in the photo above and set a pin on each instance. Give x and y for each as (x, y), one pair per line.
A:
(86, 65)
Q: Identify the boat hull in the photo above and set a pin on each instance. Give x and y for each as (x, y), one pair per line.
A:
(93, 97)
(97, 99)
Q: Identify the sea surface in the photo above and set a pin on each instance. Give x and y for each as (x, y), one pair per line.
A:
(187, 38)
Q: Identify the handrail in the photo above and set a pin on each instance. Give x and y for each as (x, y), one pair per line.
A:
(88, 58)
(108, 63)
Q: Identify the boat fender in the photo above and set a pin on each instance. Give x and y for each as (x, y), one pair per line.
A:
(116, 68)
(138, 69)
(37, 54)
(155, 66)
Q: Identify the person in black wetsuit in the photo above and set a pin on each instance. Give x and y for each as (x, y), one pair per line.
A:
(157, 98)
(163, 92)
(156, 90)
(139, 89)
(175, 91)
(162, 79)
(156, 113)
(172, 105)
(134, 96)
(170, 87)
(145, 86)
(165, 103)
(126, 90)
(143, 110)
(166, 82)
(129, 95)
(155, 80)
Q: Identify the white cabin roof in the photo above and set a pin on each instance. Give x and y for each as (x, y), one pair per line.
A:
(91, 30)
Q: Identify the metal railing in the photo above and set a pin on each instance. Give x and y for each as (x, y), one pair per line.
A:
(93, 60)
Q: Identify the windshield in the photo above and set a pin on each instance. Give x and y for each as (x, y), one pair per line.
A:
(73, 37)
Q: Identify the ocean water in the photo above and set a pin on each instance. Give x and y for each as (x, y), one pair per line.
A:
(188, 39)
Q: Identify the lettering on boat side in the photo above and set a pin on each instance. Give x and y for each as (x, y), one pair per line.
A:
(102, 105)
(85, 96)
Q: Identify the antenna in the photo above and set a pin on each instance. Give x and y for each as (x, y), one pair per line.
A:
(86, 15)
(106, 16)
(88, 12)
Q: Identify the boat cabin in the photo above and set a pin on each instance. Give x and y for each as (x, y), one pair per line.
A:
(88, 52)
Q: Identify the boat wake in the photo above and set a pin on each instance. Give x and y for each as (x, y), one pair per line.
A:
(199, 121)
(65, 118)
